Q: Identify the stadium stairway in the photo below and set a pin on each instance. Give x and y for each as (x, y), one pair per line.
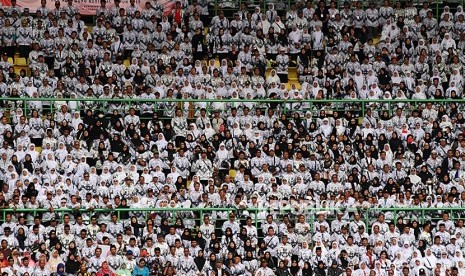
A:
(291, 75)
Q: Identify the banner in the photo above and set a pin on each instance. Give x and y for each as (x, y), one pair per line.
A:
(87, 7)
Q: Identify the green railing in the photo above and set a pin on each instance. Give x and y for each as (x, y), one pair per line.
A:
(437, 6)
(368, 215)
(360, 106)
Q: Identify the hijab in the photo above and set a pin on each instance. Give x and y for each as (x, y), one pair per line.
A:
(200, 262)
(161, 142)
(430, 260)
(222, 154)
(105, 271)
(61, 269)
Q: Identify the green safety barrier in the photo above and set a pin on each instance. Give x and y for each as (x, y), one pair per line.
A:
(437, 6)
(341, 105)
(216, 5)
(368, 215)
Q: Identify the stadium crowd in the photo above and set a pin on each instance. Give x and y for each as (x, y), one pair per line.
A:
(90, 165)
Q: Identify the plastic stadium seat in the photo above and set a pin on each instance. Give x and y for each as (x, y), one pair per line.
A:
(292, 74)
(21, 61)
(10, 60)
(268, 71)
(126, 63)
(232, 173)
(19, 68)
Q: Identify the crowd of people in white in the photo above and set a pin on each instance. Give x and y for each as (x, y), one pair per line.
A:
(100, 179)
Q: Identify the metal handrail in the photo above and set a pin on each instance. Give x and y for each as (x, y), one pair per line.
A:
(435, 5)
(368, 215)
(311, 210)
(360, 104)
(264, 100)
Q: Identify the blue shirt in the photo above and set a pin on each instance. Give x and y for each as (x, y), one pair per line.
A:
(141, 271)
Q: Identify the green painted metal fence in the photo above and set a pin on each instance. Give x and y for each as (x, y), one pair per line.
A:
(284, 5)
(360, 106)
(368, 215)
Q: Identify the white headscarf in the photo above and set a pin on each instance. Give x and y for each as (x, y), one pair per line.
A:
(161, 142)
(76, 121)
(359, 79)
(106, 175)
(236, 131)
(248, 131)
(445, 261)
(325, 127)
(458, 257)
(315, 88)
(31, 150)
(222, 153)
(461, 267)
(20, 153)
(340, 129)
(50, 161)
(430, 260)
(389, 154)
(334, 251)
(194, 131)
(273, 77)
(321, 244)
(209, 131)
